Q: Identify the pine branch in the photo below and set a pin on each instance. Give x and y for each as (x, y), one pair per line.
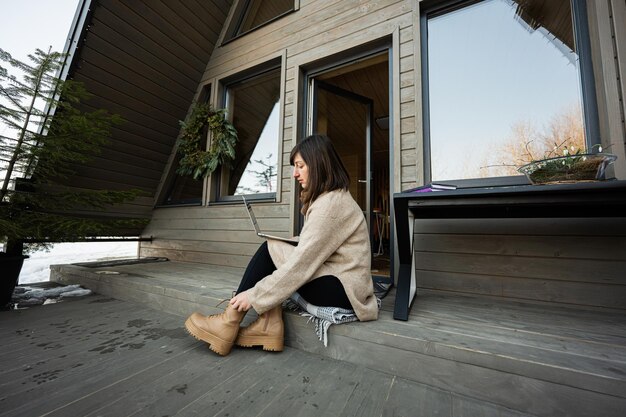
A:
(46, 150)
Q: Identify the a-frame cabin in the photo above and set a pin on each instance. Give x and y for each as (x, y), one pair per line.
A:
(411, 92)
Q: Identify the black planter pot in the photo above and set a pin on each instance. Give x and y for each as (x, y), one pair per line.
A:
(10, 267)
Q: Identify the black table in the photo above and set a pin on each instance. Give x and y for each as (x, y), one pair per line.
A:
(585, 199)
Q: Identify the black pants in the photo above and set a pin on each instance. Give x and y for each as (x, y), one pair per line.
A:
(323, 291)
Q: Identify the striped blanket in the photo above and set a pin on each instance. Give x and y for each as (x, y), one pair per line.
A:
(322, 317)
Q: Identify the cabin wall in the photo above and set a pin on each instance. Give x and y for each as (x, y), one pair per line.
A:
(579, 262)
(221, 234)
(571, 261)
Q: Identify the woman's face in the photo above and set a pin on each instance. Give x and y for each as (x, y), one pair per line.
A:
(300, 170)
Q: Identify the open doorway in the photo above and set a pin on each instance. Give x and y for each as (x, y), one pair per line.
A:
(350, 104)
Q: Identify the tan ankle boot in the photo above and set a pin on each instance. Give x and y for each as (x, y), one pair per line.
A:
(218, 330)
(267, 331)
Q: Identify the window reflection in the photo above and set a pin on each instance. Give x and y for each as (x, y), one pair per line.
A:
(504, 86)
(257, 12)
(183, 190)
(254, 104)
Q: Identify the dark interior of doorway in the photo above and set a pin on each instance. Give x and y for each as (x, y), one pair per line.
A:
(369, 78)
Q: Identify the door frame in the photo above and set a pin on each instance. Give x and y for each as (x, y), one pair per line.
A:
(369, 119)
(307, 71)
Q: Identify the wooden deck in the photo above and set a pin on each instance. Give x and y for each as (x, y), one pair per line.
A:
(101, 356)
(468, 355)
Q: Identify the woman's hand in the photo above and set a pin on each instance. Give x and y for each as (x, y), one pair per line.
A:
(240, 302)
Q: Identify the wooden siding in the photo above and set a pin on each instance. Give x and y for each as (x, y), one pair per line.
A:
(143, 61)
(569, 261)
(608, 44)
(574, 261)
(318, 29)
(220, 235)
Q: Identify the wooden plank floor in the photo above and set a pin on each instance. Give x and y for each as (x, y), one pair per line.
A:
(105, 357)
(478, 353)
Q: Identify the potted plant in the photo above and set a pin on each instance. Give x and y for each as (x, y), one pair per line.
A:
(48, 135)
(573, 165)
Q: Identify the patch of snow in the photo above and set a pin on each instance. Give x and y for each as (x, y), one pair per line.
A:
(47, 292)
(37, 267)
(80, 292)
(28, 296)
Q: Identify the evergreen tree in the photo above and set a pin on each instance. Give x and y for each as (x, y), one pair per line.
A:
(48, 136)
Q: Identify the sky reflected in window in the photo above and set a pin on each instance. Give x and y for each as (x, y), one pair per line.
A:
(496, 84)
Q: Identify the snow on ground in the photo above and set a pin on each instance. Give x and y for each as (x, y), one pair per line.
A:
(25, 296)
(37, 267)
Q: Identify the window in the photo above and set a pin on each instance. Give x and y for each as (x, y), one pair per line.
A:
(251, 14)
(184, 190)
(502, 86)
(254, 105)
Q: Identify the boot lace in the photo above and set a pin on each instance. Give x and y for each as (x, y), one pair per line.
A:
(226, 299)
(222, 302)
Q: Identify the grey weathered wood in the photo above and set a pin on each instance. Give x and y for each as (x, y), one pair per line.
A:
(238, 387)
(20, 344)
(523, 315)
(537, 227)
(224, 225)
(217, 259)
(215, 235)
(605, 272)
(467, 407)
(368, 396)
(569, 261)
(187, 382)
(222, 212)
(172, 375)
(572, 247)
(178, 389)
(478, 382)
(235, 248)
(522, 288)
(574, 358)
(98, 367)
(301, 397)
(417, 400)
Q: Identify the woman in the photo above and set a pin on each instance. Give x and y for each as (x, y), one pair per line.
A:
(330, 266)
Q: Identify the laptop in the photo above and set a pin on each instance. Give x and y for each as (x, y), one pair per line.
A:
(293, 241)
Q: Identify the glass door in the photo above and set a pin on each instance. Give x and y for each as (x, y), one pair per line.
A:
(346, 118)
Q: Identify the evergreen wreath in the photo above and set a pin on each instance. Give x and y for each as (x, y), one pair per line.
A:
(195, 161)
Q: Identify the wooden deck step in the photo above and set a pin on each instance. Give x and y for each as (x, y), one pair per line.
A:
(101, 356)
(533, 358)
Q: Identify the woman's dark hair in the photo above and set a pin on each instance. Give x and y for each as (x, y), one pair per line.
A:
(326, 171)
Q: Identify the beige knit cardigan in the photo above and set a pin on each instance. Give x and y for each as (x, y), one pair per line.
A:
(333, 241)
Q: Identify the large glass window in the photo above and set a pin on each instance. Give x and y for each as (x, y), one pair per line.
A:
(254, 105)
(250, 14)
(503, 86)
